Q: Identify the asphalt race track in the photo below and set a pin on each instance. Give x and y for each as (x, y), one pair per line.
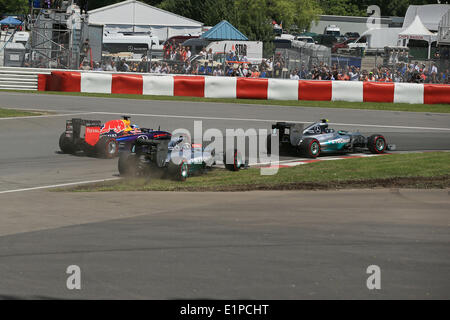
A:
(263, 245)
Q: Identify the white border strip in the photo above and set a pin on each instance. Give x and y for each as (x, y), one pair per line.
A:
(58, 185)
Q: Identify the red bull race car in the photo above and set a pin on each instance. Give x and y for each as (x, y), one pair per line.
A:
(95, 139)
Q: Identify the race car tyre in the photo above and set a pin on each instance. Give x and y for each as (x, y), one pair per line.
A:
(65, 144)
(376, 144)
(310, 147)
(237, 161)
(180, 171)
(127, 164)
(107, 147)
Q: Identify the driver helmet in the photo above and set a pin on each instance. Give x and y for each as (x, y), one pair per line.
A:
(324, 125)
(127, 124)
(135, 128)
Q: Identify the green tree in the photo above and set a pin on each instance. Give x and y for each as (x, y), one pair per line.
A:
(193, 9)
(342, 7)
(359, 7)
(14, 7)
(251, 18)
(210, 12)
(294, 13)
(298, 12)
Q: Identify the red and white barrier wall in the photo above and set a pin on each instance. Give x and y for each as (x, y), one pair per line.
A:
(244, 88)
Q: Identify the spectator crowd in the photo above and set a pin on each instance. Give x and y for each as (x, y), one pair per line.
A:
(413, 73)
(178, 59)
(401, 72)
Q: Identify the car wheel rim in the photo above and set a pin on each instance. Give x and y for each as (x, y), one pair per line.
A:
(184, 170)
(380, 144)
(314, 148)
(237, 161)
(112, 147)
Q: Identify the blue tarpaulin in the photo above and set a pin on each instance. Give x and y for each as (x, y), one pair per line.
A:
(343, 61)
(224, 31)
(11, 21)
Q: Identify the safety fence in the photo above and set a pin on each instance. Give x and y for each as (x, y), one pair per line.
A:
(244, 88)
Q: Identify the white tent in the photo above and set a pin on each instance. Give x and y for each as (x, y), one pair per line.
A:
(430, 15)
(417, 31)
(132, 15)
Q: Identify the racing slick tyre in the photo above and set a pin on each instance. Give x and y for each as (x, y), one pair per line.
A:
(65, 144)
(107, 147)
(237, 161)
(180, 171)
(127, 164)
(376, 144)
(310, 147)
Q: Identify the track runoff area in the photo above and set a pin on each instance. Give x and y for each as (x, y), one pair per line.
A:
(240, 245)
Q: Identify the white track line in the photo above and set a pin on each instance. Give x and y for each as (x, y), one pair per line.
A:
(277, 162)
(384, 126)
(58, 185)
(266, 120)
(47, 116)
(220, 118)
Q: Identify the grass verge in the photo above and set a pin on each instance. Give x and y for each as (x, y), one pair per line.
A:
(430, 108)
(415, 170)
(8, 113)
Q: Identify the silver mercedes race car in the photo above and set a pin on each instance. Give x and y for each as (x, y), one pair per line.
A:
(174, 157)
(317, 138)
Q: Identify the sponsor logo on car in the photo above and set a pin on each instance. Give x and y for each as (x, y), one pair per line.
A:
(117, 126)
(92, 135)
(338, 141)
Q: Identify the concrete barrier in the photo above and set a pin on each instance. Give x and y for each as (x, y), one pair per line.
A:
(282, 90)
(436, 93)
(220, 87)
(244, 88)
(95, 83)
(315, 90)
(347, 91)
(378, 92)
(158, 86)
(127, 84)
(248, 88)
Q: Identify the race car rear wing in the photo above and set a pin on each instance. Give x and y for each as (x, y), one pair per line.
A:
(290, 133)
(74, 130)
(73, 126)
